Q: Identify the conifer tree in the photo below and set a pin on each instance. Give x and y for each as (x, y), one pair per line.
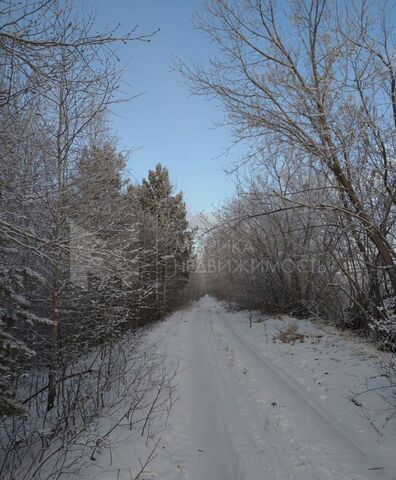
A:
(171, 240)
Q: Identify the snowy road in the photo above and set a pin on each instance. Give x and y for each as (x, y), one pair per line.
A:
(242, 416)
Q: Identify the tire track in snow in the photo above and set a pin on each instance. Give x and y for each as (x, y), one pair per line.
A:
(196, 442)
(224, 428)
(350, 461)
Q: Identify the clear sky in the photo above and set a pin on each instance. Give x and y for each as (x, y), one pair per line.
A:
(166, 124)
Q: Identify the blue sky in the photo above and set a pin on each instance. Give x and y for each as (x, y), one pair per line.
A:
(166, 124)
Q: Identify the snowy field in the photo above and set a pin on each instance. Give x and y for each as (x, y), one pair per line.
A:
(250, 407)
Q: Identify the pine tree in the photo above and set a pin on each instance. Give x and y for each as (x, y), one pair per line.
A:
(106, 250)
(171, 241)
(15, 314)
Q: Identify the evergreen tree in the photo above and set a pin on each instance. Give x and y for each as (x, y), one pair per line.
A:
(16, 284)
(171, 240)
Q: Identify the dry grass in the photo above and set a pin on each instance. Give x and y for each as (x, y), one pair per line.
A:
(290, 335)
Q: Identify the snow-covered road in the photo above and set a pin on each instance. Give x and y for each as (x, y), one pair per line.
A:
(241, 415)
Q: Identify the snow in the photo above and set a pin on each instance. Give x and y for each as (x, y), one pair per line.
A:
(251, 408)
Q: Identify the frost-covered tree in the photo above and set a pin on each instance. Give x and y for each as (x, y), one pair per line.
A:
(168, 236)
(70, 247)
(310, 86)
(105, 250)
(14, 315)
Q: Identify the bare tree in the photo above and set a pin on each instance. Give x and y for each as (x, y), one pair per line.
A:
(310, 85)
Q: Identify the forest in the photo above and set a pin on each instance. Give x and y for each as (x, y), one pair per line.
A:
(94, 264)
(86, 256)
(310, 229)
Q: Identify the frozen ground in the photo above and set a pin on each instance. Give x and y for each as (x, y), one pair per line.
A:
(249, 408)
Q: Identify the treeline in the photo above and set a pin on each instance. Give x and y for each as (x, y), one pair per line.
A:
(85, 255)
(310, 87)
